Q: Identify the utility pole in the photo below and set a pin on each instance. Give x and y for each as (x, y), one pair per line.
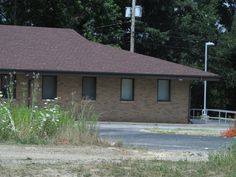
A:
(132, 32)
(132, 12)
(15, 7)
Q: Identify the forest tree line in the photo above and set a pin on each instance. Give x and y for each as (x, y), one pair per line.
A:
(174, 30)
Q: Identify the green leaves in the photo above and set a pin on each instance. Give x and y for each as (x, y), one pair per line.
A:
(91, 18)
(100, 21)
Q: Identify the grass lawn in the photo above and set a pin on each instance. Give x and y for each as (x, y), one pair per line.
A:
(219, 165)
(215, 167)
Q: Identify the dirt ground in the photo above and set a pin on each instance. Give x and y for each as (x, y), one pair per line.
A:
(27, 160)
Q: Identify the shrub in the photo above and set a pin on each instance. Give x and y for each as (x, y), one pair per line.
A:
(49, 124)
(7, 125)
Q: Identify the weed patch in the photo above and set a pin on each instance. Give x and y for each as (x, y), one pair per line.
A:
(49, 124)
(219, 164)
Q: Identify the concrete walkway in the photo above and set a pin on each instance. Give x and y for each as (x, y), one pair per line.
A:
(134, 134)
(209, 126)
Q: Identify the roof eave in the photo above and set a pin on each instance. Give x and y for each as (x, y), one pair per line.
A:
(164, 76)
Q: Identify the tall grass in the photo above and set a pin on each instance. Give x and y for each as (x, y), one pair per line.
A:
(84, 129)
(50, 124)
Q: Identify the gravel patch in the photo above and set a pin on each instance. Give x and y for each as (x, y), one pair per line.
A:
(29, 160)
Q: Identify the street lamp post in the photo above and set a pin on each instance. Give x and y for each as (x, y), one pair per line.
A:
(205, 82)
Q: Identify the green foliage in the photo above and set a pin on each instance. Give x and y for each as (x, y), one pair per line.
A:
(7, 125)
(46, 125)
(224, 63)
(95, 16)
(227, 12)
(179, 30)
(85, 16)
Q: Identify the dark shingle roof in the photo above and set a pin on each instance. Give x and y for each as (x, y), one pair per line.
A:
(64, 50)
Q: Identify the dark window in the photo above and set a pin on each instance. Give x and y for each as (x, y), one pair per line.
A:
(127, 90)
(49, 85)
(89, 88)
(163, 90)
(8, 85)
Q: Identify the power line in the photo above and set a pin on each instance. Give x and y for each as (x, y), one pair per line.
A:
(178, 47)
(120, 23)
(114, 24)
(171, 36)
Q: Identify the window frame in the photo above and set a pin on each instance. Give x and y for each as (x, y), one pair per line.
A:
(133, 89)
(169, 91)
(55, 87)
(95, 78)
(14, 79)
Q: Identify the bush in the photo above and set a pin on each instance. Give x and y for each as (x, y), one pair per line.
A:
(49, 124)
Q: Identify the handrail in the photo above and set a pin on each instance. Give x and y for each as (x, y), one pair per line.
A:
(213, 114)
(221, 110)
(217, 110)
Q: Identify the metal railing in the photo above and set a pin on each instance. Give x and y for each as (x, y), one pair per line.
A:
(222, 116)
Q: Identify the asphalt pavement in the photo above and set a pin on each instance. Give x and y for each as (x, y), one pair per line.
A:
(133, 135)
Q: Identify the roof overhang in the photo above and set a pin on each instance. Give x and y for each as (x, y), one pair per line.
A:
(114, 74)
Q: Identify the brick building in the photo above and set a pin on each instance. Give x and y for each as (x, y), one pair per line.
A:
(124, 86)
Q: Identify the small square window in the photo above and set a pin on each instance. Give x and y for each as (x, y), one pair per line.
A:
(163, 90)
(49, 87)
(89, 88)
(127, 89)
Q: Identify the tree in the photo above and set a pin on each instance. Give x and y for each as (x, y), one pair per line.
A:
(225, 64)
(86, 16)
(100, 20)
(227, 9)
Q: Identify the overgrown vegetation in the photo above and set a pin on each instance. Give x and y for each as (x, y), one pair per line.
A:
(48, 123)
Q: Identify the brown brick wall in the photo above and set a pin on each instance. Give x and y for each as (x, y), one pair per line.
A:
(144, 108)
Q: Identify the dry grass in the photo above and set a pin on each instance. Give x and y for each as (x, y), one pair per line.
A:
(74, 136)
(186, 131)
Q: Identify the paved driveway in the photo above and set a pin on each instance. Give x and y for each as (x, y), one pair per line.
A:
(133, 135)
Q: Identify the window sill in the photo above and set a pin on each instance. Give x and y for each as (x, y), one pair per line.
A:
(167, 101)
(91, 101)
(123, 101)
(88, 100)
